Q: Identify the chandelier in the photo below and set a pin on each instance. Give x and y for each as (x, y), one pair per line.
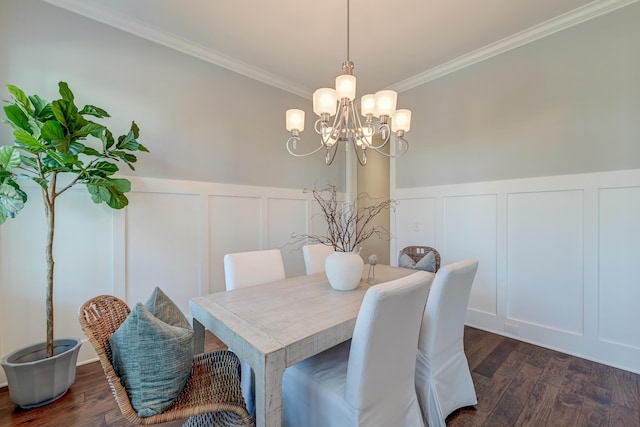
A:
(339, 120)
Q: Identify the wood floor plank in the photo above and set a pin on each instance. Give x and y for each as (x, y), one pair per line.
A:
(483, 348)
(626, 390)
(593, 415)
(512, 402)
(565, 412)
(621, 416)
(603, 376)
(494, 360)
(538, 406)
(489, 394)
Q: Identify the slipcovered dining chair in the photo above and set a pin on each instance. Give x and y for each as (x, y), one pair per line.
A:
(443, 379)
(242, 269)
(315, 256)
(369, 380)
(211, 396)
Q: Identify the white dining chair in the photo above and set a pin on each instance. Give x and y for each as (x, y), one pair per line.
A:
(369, 380)
(244, 269)
(315, 256)
(443, 379)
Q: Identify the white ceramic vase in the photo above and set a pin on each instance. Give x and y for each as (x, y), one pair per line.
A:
(344, 270)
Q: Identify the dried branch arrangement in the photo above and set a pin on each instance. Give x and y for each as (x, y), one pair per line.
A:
(348, 225)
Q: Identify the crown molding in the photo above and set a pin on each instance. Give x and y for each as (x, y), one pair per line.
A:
(544, 29)
(175, 42)
(138, 28)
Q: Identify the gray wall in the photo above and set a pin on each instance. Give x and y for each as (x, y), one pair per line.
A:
(568, 103)
(374, 180)
(200, 122)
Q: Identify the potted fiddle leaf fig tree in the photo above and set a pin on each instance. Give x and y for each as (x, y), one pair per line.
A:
(56, 146)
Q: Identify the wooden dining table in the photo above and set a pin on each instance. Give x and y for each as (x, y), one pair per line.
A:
(275, 325)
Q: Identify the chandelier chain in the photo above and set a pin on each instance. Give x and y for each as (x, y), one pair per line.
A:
(348, 32)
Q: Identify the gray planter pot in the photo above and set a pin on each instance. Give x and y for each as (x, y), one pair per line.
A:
(35, 380)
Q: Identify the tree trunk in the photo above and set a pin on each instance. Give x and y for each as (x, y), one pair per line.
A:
(50, 213)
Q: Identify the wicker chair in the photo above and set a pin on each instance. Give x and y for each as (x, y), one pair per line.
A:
(418, 252)
(212, 395)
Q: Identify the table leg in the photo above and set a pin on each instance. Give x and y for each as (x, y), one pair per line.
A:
(269, 390)
(198, 337)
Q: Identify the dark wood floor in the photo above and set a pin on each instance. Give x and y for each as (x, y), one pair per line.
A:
(517, 384)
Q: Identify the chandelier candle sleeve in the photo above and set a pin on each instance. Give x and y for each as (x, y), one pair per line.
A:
(295, 120)
(386, 101)
(401, 121)
(368, 105)
(324, 101)
(346, 87)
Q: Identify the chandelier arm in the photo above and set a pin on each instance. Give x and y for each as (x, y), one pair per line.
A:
(403, 142)
(356, 124)
(293, 138)
(338, 121)
(384, 129)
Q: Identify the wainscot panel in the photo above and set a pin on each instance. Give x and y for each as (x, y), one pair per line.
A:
(558, 256)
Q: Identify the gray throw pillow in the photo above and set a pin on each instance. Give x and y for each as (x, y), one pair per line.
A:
(405, 261)
(153, 357)
(426, 263)
(161, 306)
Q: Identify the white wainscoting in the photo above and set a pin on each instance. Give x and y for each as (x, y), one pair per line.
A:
(558, 257)
(173, 234)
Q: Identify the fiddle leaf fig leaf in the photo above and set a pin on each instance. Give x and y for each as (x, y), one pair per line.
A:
(17, 118)
(52, 130)
(106, 168)
(122, 185)
(29, 162)
(65, 92)
(9, 157)
(135, 130)
(25, 139)
(76, 148)
(91, 110)
(107, 139)
(127, 142)
(98, 193)
(90, 128)
(41, 182)
(91, 152)
(19, 95)
(118, 200)
(59, 109)
(11, 202)
(40, 105)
